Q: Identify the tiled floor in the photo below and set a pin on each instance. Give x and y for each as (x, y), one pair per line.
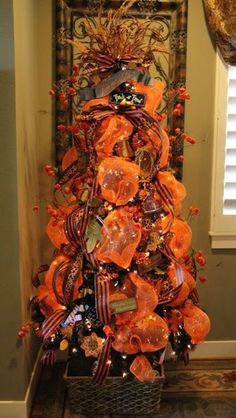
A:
(202, 389)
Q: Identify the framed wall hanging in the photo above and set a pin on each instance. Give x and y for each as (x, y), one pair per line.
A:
(169, 20)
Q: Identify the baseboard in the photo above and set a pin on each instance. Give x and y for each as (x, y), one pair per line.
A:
(21, 409)
(215, 349)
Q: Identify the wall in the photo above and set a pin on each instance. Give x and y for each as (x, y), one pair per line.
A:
(26, 145)
(26, 79)
(218, 295)
(11, 361)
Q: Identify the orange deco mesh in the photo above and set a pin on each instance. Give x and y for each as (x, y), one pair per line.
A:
(121, 236)
(144, 293)
(113, 129)
(118, 180)
(147, 335)
(196, 322)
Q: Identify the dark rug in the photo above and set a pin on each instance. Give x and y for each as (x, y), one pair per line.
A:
(200, 390)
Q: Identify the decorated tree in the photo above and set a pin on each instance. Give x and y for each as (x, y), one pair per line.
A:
(122, 281)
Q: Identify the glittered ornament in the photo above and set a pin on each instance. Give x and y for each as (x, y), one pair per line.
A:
(142, 369)
(92, 345)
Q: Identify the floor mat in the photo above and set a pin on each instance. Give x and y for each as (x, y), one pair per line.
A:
(202, 389)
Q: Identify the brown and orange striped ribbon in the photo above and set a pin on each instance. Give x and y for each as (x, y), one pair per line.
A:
(104, 362)
(51, 324)
(72, 226)
(102, 299)
(70, 278)
(59, 272)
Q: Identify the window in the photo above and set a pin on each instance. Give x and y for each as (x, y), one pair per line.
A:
(230, 147)
(223, 208)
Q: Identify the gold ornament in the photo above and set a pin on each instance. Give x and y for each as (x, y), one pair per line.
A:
(92, 345)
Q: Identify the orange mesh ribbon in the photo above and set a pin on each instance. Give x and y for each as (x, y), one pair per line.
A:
(196, 322)
(118, 179)
(121, 236)
(144, 293)
(147, 335)
(113, 129)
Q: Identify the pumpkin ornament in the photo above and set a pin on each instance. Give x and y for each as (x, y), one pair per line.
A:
(123, 275)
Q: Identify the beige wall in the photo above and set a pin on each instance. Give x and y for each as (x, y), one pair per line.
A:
(218, 295)
(26, 146)
(26, 79)
(11, 362)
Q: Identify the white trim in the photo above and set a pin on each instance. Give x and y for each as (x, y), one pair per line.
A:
(220, 240)
(214, 349)
(218, 146)
(21, 409)
(222, 227)
(210, 350)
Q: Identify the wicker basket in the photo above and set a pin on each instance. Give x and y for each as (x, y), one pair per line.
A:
(115, 396)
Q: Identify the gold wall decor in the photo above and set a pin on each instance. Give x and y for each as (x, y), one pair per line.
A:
(169, 18)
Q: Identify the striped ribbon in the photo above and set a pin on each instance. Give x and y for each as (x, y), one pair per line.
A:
(77, 143)
(179, 274)
(104, 362)
(162, 357)
(72, 226)
(166, 194)
(57, 275)
(69, 281)
(51, 324)
(69, 272)
(167, 198)
(170, 295)
(168, 253)
(102, 299)
(49, 358)
(141, 118)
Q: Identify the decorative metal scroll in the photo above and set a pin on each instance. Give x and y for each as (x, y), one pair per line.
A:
(169, 17)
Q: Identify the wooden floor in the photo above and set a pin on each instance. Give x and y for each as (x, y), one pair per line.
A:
(202, 389)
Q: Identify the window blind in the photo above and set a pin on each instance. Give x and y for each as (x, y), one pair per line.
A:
(229, 206)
